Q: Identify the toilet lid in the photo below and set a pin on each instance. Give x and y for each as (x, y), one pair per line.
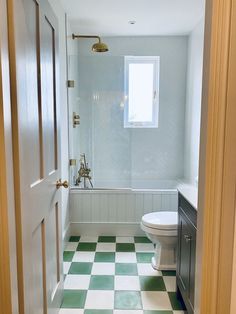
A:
(161, 220)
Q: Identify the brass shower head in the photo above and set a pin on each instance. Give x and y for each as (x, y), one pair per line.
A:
(97, 47)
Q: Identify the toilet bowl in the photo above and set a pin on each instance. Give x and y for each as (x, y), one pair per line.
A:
(161, 228)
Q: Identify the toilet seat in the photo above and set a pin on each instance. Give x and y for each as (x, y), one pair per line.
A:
(164, 220)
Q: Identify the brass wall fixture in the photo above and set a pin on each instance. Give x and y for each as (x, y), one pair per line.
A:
(84, 173)
(70, 83)
(72, 162)
(97, 47)
(76, 120)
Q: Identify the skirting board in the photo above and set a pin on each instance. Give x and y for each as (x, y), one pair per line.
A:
(99, 229)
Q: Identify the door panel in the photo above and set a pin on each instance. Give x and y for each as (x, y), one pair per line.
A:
(33, 94)
(48, 96)
(38, 274)
(52, 256)
(37, 169)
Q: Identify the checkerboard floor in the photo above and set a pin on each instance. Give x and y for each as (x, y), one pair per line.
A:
(114, 275)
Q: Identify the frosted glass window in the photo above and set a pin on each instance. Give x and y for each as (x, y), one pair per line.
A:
(141, 88)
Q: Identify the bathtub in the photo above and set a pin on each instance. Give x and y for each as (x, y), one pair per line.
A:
(118, 211)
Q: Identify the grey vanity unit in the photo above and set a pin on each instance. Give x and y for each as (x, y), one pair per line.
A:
(186, 256)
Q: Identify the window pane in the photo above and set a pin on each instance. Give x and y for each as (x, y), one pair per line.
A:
(140, 92)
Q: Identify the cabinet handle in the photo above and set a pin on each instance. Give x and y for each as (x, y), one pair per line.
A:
(188, 238)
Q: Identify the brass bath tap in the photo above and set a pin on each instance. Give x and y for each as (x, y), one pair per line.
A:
(84, 172)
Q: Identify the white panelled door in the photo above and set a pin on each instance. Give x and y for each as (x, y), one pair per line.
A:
(34, 75)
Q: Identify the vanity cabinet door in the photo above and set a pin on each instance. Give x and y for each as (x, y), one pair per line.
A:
(186, 260)
(184, 253)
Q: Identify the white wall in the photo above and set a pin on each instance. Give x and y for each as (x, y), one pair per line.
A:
(193, 102)
(59, 12)
(122, 157)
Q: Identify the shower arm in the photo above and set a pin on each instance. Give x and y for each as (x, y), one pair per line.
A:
(86, 36)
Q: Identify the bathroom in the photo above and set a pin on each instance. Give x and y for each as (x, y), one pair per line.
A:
(134, 168)
(118, 174)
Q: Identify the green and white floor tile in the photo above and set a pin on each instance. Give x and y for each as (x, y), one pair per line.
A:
(105, 275)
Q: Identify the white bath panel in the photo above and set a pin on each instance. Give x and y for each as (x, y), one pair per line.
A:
(119, 206)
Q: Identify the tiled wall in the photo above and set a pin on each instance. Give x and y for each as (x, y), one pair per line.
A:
(193, 102)
(120, 157)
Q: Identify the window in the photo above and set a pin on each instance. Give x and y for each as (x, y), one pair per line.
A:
(141, 92)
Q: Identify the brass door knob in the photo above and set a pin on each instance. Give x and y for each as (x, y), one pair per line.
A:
(59, 184)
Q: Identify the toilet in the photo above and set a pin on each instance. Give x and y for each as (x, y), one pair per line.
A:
(161, 228)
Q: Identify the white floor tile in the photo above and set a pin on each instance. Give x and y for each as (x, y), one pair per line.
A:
(83, 257)
(155, 300)
(66, 267)
(77, 282)
(170, 283)
(71, 246)
(125, 257)
(144, 247)
(71, 311)
(128, 312)
(178, 312)
(99, 300)
(124, 239)
(127, 283)
(103, 269)
(106, 247)
(88, 239)
(147, 270)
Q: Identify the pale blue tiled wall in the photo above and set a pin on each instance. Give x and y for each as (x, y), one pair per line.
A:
(126, 157)
(193, 102)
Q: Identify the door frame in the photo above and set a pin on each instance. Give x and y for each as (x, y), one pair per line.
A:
(217, 173)
(8, 282)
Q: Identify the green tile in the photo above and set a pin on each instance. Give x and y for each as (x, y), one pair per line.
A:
(98, 312)
(68, 256)
(74, 299)
(144, 257)
(127, 269)
(107, 239)
(152, 283)
(125, 247)
(80, 268)
(175, 302)
(101, 283)
(86, 246)
(128, 300)
(74, 239)
(142, 240)
(104, 257)
(157, 312)
(171, 273)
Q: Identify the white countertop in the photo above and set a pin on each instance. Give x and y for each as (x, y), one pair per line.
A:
(190, 192)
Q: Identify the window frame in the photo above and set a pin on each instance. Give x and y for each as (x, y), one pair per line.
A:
(155, 61)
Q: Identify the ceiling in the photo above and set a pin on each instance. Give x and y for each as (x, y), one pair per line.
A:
(153, 17)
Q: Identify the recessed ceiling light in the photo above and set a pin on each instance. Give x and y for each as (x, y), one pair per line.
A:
(132, 22)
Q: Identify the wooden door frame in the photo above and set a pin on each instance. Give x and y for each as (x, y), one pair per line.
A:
(217, 172)
(8, 269)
